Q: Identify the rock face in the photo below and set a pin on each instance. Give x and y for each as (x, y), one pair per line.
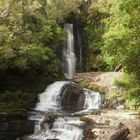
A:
(73, 97)
(88, 135)
(14, 125)
(49, 118)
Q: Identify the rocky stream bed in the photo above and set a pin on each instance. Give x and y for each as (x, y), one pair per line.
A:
(110, 124)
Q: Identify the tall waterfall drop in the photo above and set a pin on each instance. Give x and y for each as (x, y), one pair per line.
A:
(68, 53)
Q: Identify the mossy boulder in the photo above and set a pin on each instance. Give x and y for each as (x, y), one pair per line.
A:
(73, 97)
(92, 85)
(88, 121)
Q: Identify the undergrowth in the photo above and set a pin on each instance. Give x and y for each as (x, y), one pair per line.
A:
(131, 87)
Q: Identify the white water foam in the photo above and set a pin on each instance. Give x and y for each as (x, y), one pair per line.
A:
(64, 128)
(50, 99)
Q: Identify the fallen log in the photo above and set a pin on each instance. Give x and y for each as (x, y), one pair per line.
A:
(120, 133)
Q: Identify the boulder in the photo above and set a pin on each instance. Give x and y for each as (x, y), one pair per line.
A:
(49, 118)
(73, 97)
(120, 133)
(88, 135)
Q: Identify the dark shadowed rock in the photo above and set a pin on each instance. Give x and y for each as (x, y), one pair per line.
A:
(13, 125)
(49, 118)
(73, 97)
(88, 135)
(120, 133)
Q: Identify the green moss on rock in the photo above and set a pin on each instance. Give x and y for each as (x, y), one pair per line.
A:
(91, 85)
(87, 120)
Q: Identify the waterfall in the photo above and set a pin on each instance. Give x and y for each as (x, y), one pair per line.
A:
(64, 127)
(93, 100)
(49, 99)
(68, 53)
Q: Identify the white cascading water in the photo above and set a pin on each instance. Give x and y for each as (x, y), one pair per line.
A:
(64, 127)
(92, 100)
(50, 99)
(68, 53)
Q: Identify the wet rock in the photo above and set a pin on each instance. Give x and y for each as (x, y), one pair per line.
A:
(96, 112)
(87, 120)
(117, 102)
(49, 118)
(73, 97)
(88, 135)
(97, 132)
(120, 133)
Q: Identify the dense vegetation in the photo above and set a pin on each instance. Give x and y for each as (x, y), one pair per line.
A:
(122, 46)
(30, 47)
(31, 41)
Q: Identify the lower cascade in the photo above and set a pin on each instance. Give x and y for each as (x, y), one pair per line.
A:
(53, 122)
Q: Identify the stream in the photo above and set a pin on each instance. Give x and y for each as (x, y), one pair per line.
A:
(67, 124)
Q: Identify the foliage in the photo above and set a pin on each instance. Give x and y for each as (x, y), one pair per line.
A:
(90, 85)
(30, 48)
(121, 40)
(17, 100)
(87, 120)
(112, 95)
(29, 41)
(133, 98)
(121, 46)
(131, 87)
(92, 15)
(60, 9)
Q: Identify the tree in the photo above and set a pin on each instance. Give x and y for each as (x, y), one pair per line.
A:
(122, 40)
(29, 41)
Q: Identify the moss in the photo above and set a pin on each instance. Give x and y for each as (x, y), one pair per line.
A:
(112, 94)
(87, 120)
(96, 87)
(83, 83)
(132, 98)
(131, 90)
(91, 85)
(96, 112)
